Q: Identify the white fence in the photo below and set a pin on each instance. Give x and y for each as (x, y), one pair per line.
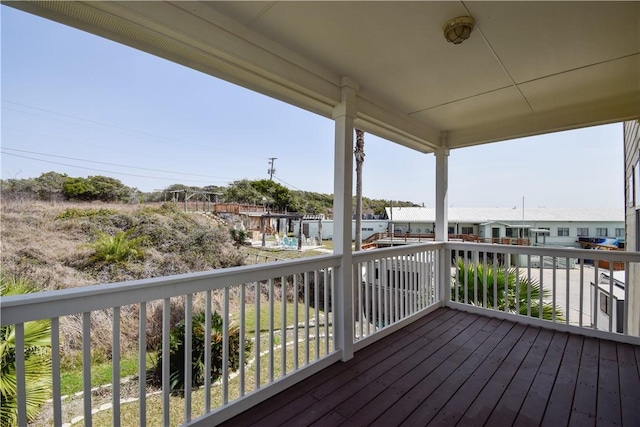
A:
(286, 311)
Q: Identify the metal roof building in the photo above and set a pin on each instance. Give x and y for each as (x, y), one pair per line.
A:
(485, 215)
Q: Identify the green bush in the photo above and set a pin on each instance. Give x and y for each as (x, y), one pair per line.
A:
(198, 373)
(37, 360)
(118, 248)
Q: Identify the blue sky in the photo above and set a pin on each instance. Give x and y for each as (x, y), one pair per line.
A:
(78, 104)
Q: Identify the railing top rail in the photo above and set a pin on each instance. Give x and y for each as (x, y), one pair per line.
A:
(51, 304)
(372, 254)
(626, 256)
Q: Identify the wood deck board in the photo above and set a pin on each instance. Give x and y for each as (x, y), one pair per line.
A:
(507, 409)
(396, 399)
(559, 405)
(629, 377)
(453, 368)
(584, 400)
(481, 408)
(530, 413)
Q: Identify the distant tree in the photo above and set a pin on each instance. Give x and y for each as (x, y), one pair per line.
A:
(242, 191)
(278, 194)
(96, 188)
(49, 185)
(78, 189)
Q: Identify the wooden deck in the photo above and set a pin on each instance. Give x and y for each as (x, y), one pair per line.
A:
(454, 368)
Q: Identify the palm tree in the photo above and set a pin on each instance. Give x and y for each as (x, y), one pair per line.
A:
(359, 155)
(37, 360)
(518, 290)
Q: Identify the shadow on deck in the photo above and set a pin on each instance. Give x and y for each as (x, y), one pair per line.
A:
(455, 368)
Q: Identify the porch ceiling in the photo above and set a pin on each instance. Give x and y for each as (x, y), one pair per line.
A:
(528, 67)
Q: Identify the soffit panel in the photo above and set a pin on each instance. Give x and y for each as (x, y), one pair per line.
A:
(397, 54)
(537, 39)
(487, 107)
(585, 85)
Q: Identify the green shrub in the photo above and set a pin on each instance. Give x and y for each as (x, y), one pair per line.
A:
(118, 248)
(198, 373)
(37, 360)
(239, 236)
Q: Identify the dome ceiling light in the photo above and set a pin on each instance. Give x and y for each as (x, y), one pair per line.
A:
(458, 29)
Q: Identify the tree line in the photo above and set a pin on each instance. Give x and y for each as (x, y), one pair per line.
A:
(55, 187)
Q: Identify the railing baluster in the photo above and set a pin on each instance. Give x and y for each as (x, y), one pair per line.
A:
(283, 326)
(385, 290)
(581, 302)
(541, 258)
(367, 297)
(396, 288)
(529, 285)
(295, 321)
(467, 266)
(553, 287)
(142, 363)
(402, 294)
(476, 262)
(610, 296)
(55, 371)
(225, 347)
(258, 293)
(518, 291)
(495, 280)
(188, 351)
(306, 317)
(625, 317)
(115, 367)
(484, 279)
(207, 351)
(242, 338)
(357, 300)
(371, 282)
(568, 307)
(21, 380)
(316, 303)
(86, 367)
(507, 263)
(325, 276)
(594, 301)
(166, 372)
(333, 304)
(271, 315)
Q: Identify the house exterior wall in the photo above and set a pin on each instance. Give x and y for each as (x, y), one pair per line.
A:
(632, 217)
(369, 227)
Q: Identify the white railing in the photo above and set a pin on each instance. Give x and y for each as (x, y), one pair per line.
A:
(390, 287)
(587, 289)
(285, 310)
(281, 310)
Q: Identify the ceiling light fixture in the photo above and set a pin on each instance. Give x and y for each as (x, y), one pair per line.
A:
(458, 29)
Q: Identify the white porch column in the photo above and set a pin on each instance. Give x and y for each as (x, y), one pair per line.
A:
(442, 222)
(344, 115)
(442, 197)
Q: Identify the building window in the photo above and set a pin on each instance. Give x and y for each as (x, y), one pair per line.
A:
(619, 232)
(452, 230)
(602, 232)
(583, 232)
(604, 303)
(467, 230)
(563, 231)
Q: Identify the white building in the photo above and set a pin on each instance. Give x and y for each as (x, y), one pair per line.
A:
(324, 227)
(544, 226)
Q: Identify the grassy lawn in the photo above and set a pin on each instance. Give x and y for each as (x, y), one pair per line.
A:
(71, 379)
(129, 412)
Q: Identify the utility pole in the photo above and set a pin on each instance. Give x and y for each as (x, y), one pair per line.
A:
(271, 169)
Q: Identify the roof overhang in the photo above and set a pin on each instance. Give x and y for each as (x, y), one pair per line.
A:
(528, 68)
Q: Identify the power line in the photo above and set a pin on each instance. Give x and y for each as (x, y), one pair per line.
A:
(114, 164)
(106, 171)
(286, 183)
(147, 134)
